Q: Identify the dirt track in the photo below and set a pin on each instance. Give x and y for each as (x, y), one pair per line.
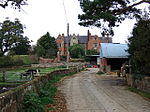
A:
(88, 92)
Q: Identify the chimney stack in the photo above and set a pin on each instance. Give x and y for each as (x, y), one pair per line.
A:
(89, 35)
(63, 35)
(107, 38)
(103, 35)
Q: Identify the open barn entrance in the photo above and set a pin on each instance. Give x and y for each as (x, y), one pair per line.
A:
(116, 63)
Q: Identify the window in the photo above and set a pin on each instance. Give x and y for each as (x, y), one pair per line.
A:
(95, 38)
(59, 38)
(95, 45)
(59, 44)
(59, 52)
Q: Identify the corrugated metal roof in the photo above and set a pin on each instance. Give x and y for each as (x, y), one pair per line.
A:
(112, 50)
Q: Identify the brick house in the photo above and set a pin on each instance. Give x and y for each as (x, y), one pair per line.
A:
(88, 42)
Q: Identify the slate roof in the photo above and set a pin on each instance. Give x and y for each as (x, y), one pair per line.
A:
(84, 39)
(65, 39)
(104, 40)
(112, 50)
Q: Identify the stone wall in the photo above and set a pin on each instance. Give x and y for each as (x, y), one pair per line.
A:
(139, 83)
(58, 64)
(12, 100)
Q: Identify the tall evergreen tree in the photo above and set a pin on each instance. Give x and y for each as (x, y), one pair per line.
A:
(108, 13)
(139, 47)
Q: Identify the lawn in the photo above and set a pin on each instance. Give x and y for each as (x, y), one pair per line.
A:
(14, 75)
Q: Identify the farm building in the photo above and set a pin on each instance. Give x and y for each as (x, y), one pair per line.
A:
(112, 56)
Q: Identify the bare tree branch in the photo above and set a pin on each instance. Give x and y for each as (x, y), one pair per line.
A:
(129, 7)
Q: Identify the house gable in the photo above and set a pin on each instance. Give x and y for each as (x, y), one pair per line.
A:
(74, 40)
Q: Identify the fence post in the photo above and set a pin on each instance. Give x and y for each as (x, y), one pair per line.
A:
(4, 76)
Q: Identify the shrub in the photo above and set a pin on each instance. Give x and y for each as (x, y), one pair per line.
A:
(6, 61)
(32, 103)
(34, 59)
(76, 51)
(100, 73)
(63, 58)
(18, 61)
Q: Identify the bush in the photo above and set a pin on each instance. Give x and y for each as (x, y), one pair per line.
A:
(34, 59)
(76, 51)
(100, 73)
(63, 58)
(6, 61)
(32, 103)
(18, 61)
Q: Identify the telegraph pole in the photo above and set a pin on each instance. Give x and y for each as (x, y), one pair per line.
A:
(67, 45)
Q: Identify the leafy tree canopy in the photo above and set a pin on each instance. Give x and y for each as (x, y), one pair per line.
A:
(46, 46)
(22, 47)
(139, 45)
(108, 13)
(76, 51)
(10, 35)
(92, 52)
(14, 3)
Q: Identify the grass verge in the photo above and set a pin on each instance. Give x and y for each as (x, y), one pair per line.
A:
(100, 73)
(8, 83)
(33, 101)
(140, 92)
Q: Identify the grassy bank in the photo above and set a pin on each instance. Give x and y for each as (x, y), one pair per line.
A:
(100, 73)
(37, 102)
(140, 92)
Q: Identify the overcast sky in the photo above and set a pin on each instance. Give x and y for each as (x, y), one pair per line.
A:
(43, 16)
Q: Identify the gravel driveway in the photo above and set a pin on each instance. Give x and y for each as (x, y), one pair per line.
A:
(88, 92)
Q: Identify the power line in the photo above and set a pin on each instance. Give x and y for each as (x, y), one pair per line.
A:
(65, 12)
(67, 34)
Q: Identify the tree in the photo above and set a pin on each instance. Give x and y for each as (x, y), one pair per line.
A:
(139, 45)
(22, 47)
(106, 14)
(76, 51)
(14, 3)
(46, 46)
(10, 35)
(92, 52)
